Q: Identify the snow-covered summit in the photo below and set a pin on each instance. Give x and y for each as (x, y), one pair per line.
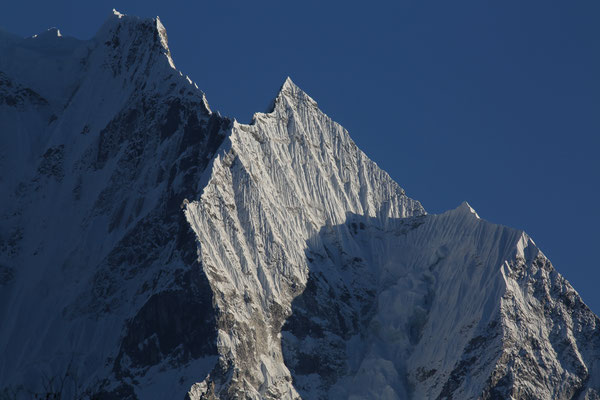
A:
(465, 209)
(291, 94)
(123, 30)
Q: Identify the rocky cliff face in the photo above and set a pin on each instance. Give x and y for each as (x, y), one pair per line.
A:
(150, 248)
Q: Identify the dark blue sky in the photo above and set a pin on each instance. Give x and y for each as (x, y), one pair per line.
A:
(496, 103)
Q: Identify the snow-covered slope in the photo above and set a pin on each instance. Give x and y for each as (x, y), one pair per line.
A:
(100, 278)
(150, 248)
(455, 307)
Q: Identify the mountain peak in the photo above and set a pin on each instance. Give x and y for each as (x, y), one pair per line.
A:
(465, 209)
(289, 87)
(120, 29)
(288, 84)
(292, 95)
(116, 18)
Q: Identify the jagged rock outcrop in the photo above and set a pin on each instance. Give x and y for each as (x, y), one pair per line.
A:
(150, 248)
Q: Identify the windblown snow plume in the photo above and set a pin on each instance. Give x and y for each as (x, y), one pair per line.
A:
(151, 249)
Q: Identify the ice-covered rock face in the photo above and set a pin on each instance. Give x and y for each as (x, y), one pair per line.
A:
(150, 248)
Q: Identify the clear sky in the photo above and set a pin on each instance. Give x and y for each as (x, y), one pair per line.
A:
(496, 103)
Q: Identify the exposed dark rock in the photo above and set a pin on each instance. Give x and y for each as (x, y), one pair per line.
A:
(51, 164)
(179, 325)
(7, 274)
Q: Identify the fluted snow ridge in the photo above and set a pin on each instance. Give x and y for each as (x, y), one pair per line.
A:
(308, 228)
(308, 273)
(283, 178)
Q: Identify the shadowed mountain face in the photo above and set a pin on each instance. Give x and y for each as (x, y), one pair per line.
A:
(445, 306)
(150, 248)
(100, 274)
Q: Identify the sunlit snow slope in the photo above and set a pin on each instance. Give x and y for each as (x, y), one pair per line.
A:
(151, 249)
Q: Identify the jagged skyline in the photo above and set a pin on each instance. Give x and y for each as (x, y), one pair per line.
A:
(151, 247)
(492, 104)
